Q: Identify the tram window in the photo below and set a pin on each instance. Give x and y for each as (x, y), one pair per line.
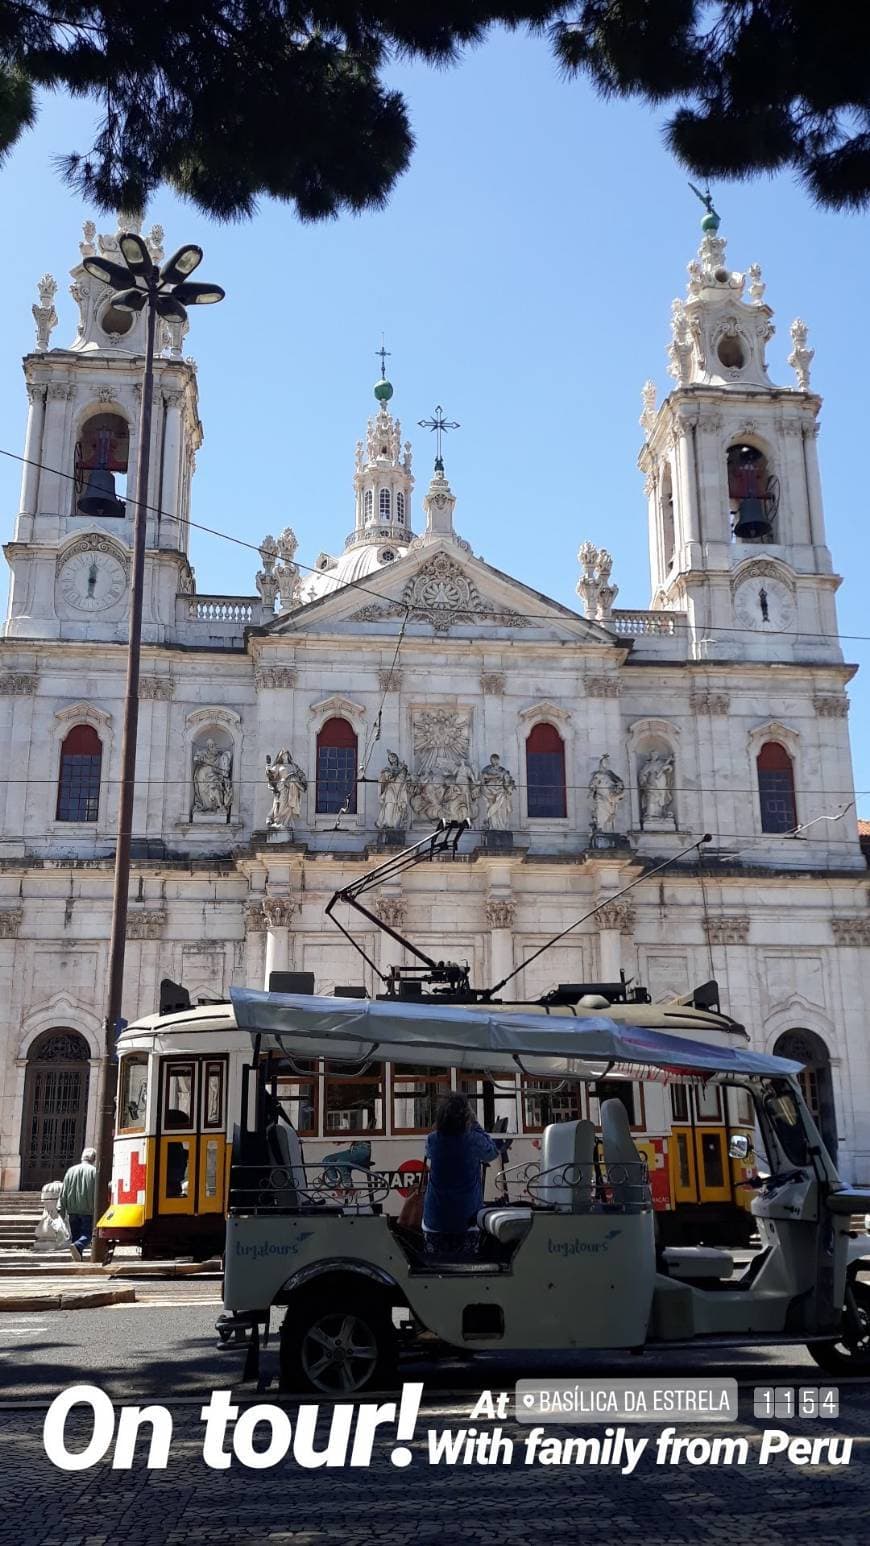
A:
(416, 1094)
(546, 1103)
(298, 1099)
(711, 1159)
(177, 1166)
(707, 1103)
(679, 1103)
(213, 1095)
(134, 1092)
(354, 1105)
(684, 1165)
(211, 1168)
(620, 1089)
(178, 1096)
(742, 1109)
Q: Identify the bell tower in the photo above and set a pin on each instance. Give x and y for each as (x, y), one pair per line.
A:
(74, 528)
(736, 525)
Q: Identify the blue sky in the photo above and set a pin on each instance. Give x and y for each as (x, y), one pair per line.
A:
(522, 274)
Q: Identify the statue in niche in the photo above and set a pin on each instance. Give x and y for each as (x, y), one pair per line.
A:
(606, 790)
(212, 780)
(394, 795)
(288, 784)
(655, 780)
(497, 787)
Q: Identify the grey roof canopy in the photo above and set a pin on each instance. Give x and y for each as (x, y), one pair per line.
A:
(459, 1036)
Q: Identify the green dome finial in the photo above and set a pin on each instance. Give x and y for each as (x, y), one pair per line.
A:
(710, 221)
(383, 388)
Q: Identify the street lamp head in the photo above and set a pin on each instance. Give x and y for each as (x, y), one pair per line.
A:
(130, 300)
(181, 265)
(198, 294)
(169, 308)
(110, 273)
(136, 255)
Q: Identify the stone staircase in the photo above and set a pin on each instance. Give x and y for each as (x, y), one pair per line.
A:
(19, 1214)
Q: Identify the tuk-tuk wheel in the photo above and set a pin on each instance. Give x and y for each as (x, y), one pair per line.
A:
(337, 1342)
(852, 1352)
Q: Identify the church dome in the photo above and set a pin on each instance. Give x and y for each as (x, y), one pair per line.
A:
(354, 564)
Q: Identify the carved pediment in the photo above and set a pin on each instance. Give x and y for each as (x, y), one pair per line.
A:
(545, 710)
(337, 705)
(442, 593)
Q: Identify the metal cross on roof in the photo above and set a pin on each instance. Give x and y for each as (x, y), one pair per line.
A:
(383, 355)
(440, 425)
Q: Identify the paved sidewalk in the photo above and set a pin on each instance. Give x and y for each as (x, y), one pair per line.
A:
(513, 1505)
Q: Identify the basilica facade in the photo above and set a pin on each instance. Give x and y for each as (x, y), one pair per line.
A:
(292, 738)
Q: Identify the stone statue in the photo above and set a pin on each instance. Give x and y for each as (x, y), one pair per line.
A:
(394, 795)
(606, 789)
(51, 1233)
(212, 780)
(288, 784)
(459, 794)
(656, 785)
(497, 787)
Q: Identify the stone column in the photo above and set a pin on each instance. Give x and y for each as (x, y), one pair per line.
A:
(691, 525)
(814, 487)
(613, 920)
(172, 459)
(391, 910)
(32, 450)
(56, 488)
(255, 944)
(500, 915)
(278, 912)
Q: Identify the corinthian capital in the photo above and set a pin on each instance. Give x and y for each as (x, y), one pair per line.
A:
(279, 911)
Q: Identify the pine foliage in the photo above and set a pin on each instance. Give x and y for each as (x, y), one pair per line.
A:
(758, 85)
(231, 101)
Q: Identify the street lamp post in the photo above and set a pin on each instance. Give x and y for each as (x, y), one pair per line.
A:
(166, 292)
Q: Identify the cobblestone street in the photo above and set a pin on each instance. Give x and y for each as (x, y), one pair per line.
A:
(167, 1353)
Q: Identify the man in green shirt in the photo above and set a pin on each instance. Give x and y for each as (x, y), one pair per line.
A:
(76, 1202)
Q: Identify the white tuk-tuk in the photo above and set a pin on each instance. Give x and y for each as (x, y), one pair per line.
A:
(567, 1257)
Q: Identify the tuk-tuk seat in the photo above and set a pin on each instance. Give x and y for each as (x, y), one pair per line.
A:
(506, 1225)
(697, 1261)
(623, 1160)
(285, 1153)
(567, 1177)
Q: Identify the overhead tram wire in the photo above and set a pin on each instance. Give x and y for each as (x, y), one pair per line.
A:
(674, 628)
(648, 875)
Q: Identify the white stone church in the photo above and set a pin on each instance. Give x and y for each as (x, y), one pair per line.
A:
(290, 738)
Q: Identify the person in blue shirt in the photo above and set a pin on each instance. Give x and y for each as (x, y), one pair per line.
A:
(456, 1151)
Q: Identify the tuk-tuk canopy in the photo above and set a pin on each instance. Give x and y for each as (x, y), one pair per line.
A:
(484, 1039)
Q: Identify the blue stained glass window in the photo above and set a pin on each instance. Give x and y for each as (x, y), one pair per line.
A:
(336, 768)
(545, 772)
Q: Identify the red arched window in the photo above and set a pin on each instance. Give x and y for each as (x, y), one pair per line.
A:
(336, 768)
(776, 788)
(78, 788)
(545, 772)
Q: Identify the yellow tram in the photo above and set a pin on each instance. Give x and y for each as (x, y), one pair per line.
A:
(181, 1082)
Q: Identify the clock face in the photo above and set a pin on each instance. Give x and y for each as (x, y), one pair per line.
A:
(91, 581)
(765, 605)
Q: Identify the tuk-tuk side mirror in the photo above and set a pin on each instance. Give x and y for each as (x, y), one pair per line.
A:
(739, 1146)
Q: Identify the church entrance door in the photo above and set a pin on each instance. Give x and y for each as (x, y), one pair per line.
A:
(55, 1107)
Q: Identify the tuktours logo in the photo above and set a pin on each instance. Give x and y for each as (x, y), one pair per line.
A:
(577, 1247)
